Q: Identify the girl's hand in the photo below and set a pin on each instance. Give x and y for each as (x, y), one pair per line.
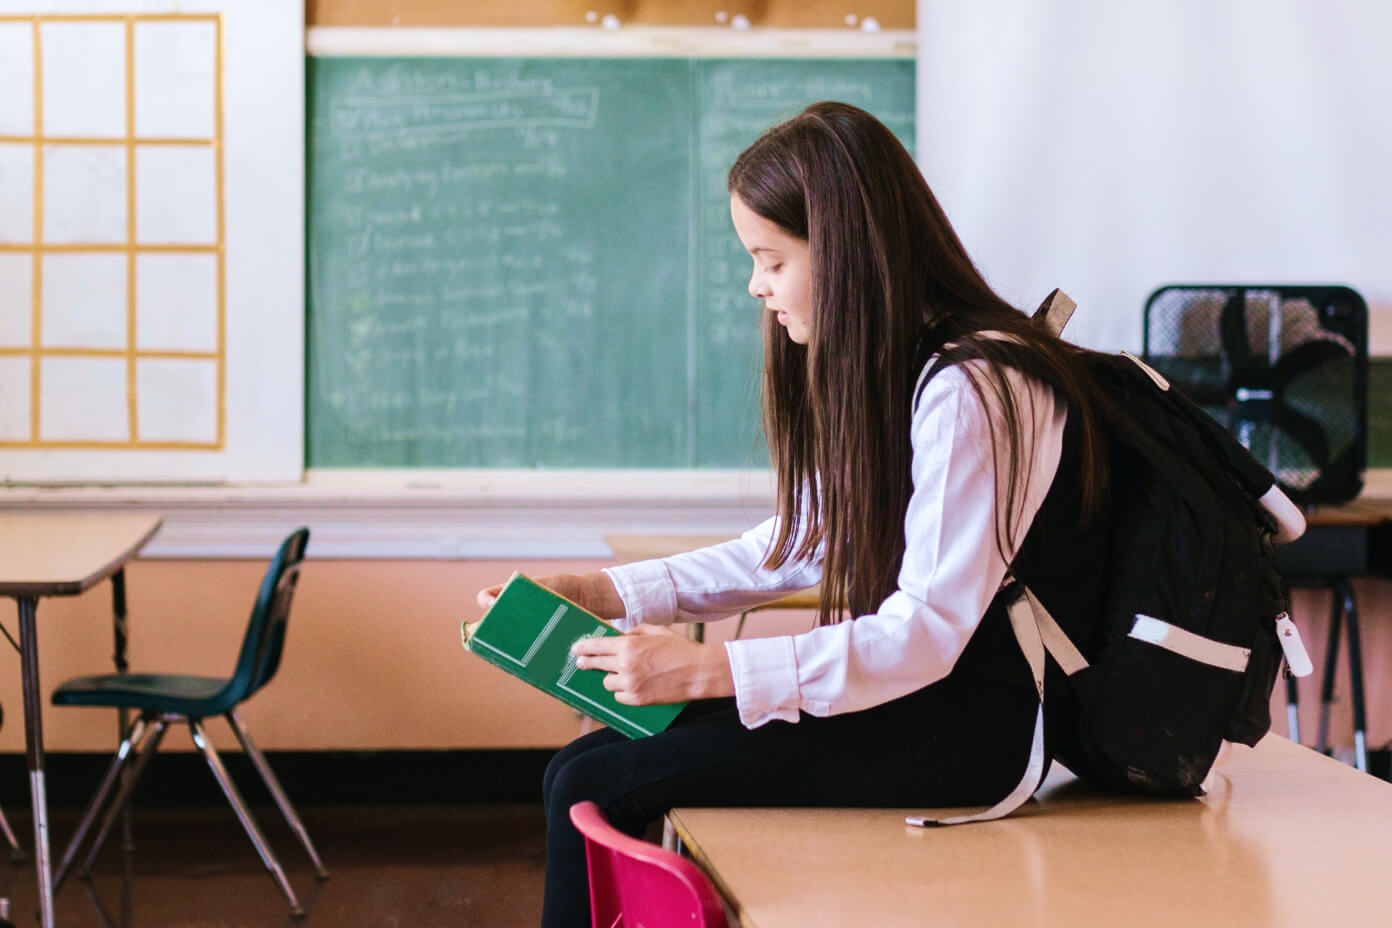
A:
(651, 665)
(593, 592)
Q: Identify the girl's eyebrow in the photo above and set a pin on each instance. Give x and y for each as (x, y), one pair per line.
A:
(764, 250)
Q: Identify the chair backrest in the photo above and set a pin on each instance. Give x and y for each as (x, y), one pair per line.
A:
(265, 635)
(635, 884)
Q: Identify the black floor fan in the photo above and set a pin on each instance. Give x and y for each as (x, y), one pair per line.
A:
(1285, 368)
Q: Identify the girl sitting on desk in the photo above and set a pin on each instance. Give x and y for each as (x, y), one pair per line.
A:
(905, 495)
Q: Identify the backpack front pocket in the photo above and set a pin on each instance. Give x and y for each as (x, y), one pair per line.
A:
(1160, 701)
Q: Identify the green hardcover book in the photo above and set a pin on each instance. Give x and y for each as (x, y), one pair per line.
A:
(528, 632)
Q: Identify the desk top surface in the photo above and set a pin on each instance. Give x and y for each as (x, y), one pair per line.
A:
(1286, 837)
(61, 554)
(628, 548)
(1367, 509)
(641, 547)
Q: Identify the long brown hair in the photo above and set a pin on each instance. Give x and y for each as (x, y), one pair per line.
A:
(891, 283)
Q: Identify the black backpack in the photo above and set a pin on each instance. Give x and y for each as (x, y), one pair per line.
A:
(1195, 618)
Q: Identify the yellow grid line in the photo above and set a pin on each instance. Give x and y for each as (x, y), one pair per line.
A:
(221, 237)
(143, 354)
(106, 141)
(93, 445)
(36, 350)
(86, 247)
(36, 284)
(109, 17)
(132, 408)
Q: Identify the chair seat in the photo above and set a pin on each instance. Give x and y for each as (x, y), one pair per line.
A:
(195, 697)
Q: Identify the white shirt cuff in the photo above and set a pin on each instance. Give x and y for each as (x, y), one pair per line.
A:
(647, 593)
(766, 679)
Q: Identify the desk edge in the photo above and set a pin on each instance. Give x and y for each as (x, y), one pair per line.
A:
(694, 849)
(81, 585)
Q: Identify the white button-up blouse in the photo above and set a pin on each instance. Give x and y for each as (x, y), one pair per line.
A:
(951, 569)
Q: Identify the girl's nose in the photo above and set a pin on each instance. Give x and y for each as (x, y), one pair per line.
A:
(757, 289)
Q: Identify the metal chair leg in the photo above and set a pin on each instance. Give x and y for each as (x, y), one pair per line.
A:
(17, 855)
(277, 792)
(133, 741)
(229, 790)
(148, 749)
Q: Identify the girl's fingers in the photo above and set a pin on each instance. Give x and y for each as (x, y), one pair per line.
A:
(609, 663)
(592, 647)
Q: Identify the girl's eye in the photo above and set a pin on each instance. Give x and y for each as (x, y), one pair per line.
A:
(775, 268)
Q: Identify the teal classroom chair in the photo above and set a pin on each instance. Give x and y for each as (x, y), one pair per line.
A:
(164, 698)
(636, 884)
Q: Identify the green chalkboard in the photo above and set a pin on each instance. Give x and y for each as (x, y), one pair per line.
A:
(530, 262)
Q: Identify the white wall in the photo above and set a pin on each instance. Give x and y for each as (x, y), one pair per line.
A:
(260, 187)
(1108, 148)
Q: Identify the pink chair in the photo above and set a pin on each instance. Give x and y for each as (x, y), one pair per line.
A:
(635, 884)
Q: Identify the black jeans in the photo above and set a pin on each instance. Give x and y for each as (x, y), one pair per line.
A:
(962, 741)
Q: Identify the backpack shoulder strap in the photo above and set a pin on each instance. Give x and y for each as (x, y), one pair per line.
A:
(929, 372)
(1053, 314)
(948, 356)
(1036, 636)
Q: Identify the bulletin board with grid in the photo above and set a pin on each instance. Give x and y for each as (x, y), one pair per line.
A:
(112, 232)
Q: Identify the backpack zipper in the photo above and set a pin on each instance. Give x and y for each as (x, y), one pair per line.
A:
(1297, 659)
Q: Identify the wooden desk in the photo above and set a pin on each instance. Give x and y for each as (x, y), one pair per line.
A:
(641, 547)
(1287, 837)
(1372, 507)
(60, 555)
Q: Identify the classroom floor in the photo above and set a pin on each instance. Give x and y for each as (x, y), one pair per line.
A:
(412, 866)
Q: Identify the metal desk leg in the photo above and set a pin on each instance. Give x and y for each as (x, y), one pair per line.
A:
(34, 752)
(1331, 663)
(118, 657)
(118, 623)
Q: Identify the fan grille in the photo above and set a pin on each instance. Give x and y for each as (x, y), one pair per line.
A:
(1283, 368)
